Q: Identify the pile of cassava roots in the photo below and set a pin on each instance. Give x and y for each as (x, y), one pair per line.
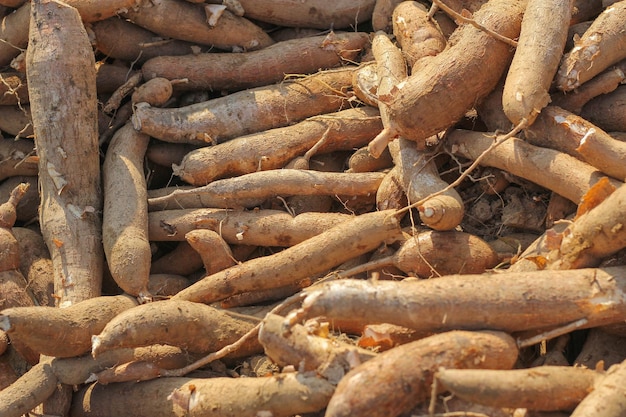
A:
(276, 208)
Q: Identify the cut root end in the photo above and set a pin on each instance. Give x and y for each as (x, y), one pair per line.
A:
(441, 212)
(377, 146)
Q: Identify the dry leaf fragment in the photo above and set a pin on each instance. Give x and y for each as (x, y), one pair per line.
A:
(596, 195)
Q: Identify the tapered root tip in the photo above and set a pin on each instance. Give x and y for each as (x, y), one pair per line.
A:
(441, 213)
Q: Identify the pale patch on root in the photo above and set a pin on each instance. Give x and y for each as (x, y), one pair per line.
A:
(213, 13)
(96, 342)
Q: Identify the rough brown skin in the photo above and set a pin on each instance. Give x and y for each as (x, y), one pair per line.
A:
(12, 3)
(533, 256)
(9, 258)
(110, 126)
(496, 301)
(15, 158)
(250, 190)
(576, 30)
(601, 46)
(509, 245)
(13, 289)
(16, 121)
(121, 39)
(416, 34)
(13, 286)
(4, 343)
(43, 380)
(166, 154)
(470, 5)
(385, 336)
(599, 86)
(536, 59)
(559, 129)
(230, 72)
(286, 33)
(390, 193)
(592, 236)
(584, 10)
(362, 161)
(327, 163)
(390, 72)
(155, 92)
(396, 380)
(609, 398)
(282, 395)
(491, 113)
(14, 33)
(440, 84)
(250, 111)
(556, 171)
(428, 254)
(166, 285)
(125, 214)
(416, 171)
(601, 349)
(27, 208)
(187, 22)
(7, 372)
(126, 88)
(62, 332)
(75, 371)
(252, 298)
(13, 88)
(14, 26)
(30, 390)
(341, 14)
(35, 265)
(256, 227)
(619, 135)
(274, 148)
(215, 252)
(69, 169)
(109, 77)
(382, 14)
(607, 111)
(182, 260)
(545, 388)
(95, 10)
(365, 83)
(419, 179)
(361, 234)
(134, 371)
(195, 327)
(330, 358)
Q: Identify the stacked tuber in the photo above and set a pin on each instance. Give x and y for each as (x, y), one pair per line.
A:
(279, 208)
